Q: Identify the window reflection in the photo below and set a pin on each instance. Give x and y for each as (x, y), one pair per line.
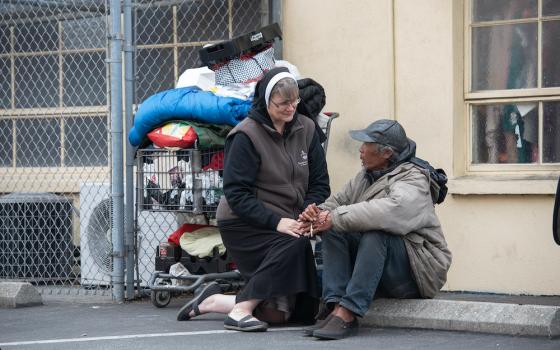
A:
(6, 142)
(496, 10)
(154, 25)
(155, 72)
(551, 130)
(85, 79)
(551, 54)
(5, 46)
(37, 81)
(551, 7)
(5, 83)
(38, 142)
(505, 57)
(505, 133)
(83, 33)
(86, 141)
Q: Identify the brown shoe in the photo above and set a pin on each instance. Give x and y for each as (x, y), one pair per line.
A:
(308, 331)
(336, 328)
(321, 319)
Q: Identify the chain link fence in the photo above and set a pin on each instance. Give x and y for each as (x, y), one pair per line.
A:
(55, 161)
(54, 152)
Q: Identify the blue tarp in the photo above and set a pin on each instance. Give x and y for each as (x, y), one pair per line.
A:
(186, 104)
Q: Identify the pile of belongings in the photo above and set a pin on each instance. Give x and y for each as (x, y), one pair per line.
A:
(198, 114)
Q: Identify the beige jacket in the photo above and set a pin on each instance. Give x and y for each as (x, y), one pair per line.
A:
(399, 203)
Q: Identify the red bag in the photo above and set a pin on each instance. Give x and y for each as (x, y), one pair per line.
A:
(175, 237)
(173, 135)
(216, 162)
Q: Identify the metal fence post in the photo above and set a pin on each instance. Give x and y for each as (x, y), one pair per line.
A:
(117, 195)
(128, 100)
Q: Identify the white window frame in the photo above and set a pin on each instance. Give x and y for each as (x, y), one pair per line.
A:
(537, 95)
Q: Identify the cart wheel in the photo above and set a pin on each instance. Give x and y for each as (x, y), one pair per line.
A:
(160, 298)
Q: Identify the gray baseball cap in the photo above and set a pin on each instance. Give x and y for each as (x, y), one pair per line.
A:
(383, 131)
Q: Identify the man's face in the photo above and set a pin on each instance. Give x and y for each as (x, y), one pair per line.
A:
(372, 159)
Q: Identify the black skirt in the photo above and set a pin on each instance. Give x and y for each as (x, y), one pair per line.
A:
(273, 264)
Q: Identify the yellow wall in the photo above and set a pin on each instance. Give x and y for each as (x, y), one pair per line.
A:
(350, 59)
(383, 58)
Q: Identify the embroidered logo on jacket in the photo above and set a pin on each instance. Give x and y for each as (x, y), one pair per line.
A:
(303, 156)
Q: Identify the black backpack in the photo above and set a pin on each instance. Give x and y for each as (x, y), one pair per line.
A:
(438, 180)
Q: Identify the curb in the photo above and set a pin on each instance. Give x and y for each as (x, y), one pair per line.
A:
(18, 294)
(467, 316)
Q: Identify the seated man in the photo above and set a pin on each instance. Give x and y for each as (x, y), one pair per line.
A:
(380, 234)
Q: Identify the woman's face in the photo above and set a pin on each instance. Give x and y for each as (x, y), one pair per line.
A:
(280, 109)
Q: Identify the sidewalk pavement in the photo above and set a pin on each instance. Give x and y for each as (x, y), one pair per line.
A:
(450, 311)
(471, 312)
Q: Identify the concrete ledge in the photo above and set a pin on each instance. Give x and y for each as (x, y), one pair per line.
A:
(18, 294)
(469, 316)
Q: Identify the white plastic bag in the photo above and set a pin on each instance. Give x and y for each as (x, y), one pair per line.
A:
(179, 270)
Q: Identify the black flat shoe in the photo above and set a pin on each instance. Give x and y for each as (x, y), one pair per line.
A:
(308, 331)
(244, 325)
(210, 289)
(336, 328)
(321, 319)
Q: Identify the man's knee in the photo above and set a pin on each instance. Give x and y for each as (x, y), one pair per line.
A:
(377, 237)
(332, 236)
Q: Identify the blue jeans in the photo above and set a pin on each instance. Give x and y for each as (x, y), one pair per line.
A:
(358, 266)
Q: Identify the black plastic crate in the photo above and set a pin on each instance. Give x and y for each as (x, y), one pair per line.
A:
(196, 266)
(230, 49)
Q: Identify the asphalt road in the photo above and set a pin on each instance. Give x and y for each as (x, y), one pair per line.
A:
(139, 326)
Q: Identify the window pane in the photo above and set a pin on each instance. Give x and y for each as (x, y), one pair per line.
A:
(154, 25)
(5, 46)
(496, 10)
(85, 141)
(202, 21)
(6, 143)
(85, 79)
(5, 84)
(246, 16)
(551, 7)
(188, 58)
(504, 57)
(84, 33)
(38, 142)
(551, 54)
(154, 71)
(505, 133)
(551, 140)
(37, 81)
(31, 37)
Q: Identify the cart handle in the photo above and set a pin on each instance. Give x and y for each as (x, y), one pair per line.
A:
(332, 116)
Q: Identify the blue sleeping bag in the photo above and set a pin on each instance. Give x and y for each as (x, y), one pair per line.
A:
(186, 104)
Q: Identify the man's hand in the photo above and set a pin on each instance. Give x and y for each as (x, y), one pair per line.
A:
(310, 213)
(323, 221)
(290, 227)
